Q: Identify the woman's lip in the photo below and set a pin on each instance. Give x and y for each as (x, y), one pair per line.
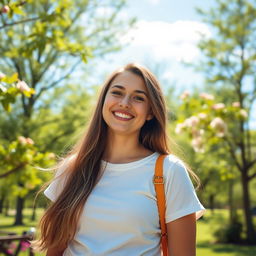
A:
(122, 118)
(123, 112)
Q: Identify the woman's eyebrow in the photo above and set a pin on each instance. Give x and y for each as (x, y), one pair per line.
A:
(123, 88)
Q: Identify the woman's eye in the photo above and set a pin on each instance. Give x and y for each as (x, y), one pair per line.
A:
(138, 98)
(116, 93)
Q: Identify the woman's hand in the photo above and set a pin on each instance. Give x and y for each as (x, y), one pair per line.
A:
(182, 236)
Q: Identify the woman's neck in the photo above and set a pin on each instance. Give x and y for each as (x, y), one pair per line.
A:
(124, 149)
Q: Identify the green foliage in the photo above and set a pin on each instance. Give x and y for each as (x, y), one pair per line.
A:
(44, 42)
(211, 122)
(230, 233)
(230, 53)
(229, 62)
(206, 242)
(61, 127)
(18, 160)
(10, 87)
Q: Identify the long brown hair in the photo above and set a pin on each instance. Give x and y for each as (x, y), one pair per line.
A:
(59, 223)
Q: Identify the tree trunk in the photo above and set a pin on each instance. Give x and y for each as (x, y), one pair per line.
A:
(19, 209)
(33, 216)
(2, 203)
(250, 233)
(211, 202)
(7, 205)
(231, 201)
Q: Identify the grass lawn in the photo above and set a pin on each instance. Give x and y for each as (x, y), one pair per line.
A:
(205, 239)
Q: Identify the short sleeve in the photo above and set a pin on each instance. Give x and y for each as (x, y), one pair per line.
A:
(57, 185)
(181, 198)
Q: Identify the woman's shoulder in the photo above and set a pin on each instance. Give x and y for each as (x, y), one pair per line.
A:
(174, 164)
(173, 160)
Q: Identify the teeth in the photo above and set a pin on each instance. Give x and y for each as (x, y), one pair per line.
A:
(122, 115)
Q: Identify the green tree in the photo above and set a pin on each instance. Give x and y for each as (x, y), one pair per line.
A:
(203, 157)
(17, 156)
(215, 125)
(60, 127)
(230, 59)
(46, 42)
(10, 88)
(46, 51)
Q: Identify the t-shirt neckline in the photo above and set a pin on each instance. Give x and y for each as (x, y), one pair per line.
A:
(125, 166)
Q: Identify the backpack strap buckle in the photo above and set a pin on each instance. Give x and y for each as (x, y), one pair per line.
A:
(158, 179)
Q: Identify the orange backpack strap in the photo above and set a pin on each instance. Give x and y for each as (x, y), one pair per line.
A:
(158, 181)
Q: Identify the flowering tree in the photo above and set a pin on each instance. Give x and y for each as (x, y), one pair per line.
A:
(18, 157)
(212, 124)
(10, 88)
(228, 61)
(18, 175)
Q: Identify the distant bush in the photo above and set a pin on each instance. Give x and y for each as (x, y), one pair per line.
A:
(230, 233)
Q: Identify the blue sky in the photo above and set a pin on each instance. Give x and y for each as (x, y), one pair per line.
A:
(167, 10)
(166, 35)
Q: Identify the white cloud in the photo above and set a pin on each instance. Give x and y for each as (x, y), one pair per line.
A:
(176, 40)
(154, 2)
(104, 11)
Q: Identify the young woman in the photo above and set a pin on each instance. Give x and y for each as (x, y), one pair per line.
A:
(103, 197)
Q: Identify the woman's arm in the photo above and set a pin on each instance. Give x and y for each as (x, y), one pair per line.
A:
(182, 236)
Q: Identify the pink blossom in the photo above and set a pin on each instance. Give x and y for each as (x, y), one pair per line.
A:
(243, 113)
(206, 96)
(22, 140)
(179, 127)
(5, 9)
(30, 141)
(236, 104)
(191, 121)
(22, 86)
(218, 106)
(2, 88)
(2, 75)
(197, 144)
(10, 251)
(219, 125)
(202, 116)
(25, 141)
(24, 245)
(185, 95)
(197, 133)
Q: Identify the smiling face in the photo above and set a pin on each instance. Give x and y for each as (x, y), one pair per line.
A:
(126, 106)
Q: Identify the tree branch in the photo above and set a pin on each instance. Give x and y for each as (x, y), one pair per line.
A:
(68, 132)
(250, 177)
(15, 169)
(232, 152)
(250, 164)
(58, 81)
(18, 22)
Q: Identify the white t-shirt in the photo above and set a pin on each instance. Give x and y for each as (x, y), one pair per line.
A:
(120, 216)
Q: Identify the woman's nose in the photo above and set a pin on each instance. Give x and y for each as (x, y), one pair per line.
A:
(125, 102)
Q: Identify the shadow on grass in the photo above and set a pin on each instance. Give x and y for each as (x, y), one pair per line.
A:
(239, 250)
(15, 226)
